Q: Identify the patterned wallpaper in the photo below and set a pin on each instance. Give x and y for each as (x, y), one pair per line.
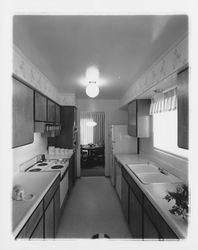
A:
(23, 68)
(170, 62)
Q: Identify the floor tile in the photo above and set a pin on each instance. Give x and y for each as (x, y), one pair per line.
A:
(93, 207)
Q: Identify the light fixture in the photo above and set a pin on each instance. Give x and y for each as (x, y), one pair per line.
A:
(92, 89)
(92, 77)
(91, 124)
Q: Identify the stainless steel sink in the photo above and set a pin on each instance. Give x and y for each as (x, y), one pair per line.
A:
(148, 173)
(143, 167)
(148, 178)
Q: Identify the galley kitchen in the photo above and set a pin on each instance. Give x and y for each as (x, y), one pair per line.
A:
(100, 127)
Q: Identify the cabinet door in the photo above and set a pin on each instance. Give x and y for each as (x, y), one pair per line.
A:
(32, 222)
(56, 209)
(150, 232)
(125, 198)
(118, 178)
(38, 232)
(132, 118)
(135, 216)
(51, 111)
(49, 221)
(162, 227)
(40, 107)
(23, 123)
(182, 91)
(65, 139)
(70, 176)
(57, 113)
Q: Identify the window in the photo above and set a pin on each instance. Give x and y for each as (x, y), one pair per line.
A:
(165, 133)
(92, 127)
(86, 132)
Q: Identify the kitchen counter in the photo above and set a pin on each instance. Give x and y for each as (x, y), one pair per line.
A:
(36, 183)
(156, 193)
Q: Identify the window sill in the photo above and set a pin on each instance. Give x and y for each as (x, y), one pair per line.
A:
(170, 154)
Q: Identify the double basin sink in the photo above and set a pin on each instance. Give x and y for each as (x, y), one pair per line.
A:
(148, 173)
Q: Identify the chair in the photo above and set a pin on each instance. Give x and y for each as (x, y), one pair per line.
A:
(98, 156)
(84, 157)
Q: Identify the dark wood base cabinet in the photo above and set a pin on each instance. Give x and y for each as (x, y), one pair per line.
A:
(125, 198)
(150, 232)
(38, 233)
(143, 219)
(43, 222)
(49, 221)
(135, 216)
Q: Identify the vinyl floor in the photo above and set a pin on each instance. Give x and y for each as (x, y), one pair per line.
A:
(93, 171)
(93, 207)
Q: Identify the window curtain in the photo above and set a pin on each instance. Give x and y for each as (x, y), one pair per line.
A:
(163, 102)
(92, 134)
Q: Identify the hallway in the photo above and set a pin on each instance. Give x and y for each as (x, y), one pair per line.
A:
(92, 208)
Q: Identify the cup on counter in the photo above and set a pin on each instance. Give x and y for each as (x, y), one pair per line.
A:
(62, 151)
(57, 151)
(51, 150)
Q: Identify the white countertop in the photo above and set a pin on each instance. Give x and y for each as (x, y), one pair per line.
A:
(36, 183)
(156, 193)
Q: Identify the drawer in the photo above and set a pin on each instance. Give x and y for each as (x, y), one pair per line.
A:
(163, 228)
(32, 222)
(51, 192)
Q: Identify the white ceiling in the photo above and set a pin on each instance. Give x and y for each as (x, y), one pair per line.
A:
(122, 47)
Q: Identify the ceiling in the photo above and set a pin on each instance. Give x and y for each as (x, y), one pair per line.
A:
(122, 47)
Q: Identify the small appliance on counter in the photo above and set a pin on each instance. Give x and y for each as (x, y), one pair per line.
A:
(58, 153)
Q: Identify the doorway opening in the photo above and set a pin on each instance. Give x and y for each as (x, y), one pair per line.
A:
(92, 143)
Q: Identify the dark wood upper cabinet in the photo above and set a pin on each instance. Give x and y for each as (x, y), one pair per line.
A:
(40, 107)
(67, 121)
(183, 103)
(23, 119)
(138, 118)
(132, 118)
(51, 111)
(57, 113)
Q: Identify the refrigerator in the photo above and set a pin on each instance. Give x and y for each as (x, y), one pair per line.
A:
(120, 142)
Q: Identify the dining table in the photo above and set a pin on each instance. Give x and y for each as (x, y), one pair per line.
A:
(90, 148)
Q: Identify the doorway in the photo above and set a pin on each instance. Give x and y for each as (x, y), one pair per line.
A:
(92, 143)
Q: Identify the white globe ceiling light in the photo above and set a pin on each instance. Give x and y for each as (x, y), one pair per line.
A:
(92, 89)
(92, 77)
(91, 124)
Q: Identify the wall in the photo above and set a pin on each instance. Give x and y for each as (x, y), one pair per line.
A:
(113, 115)
(174, 164)
(27, 71)
(158, 73)
(27, 152)
(170, 62)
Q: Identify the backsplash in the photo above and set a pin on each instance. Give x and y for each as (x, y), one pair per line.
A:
(29, 152)
(167, 64)
(25, 69)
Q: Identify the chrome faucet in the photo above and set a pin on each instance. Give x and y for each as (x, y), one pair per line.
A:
(163, 171)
